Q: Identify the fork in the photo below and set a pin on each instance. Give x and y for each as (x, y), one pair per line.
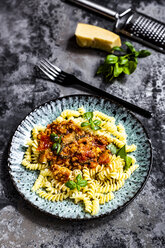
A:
(57, 75)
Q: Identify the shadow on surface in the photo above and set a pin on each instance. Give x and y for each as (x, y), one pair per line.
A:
(74, 48)
(11, 195)
(43, 219)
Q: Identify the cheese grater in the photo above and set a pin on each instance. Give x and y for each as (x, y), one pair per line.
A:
(133, 24)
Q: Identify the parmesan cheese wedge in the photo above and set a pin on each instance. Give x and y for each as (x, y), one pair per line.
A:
(96, 37)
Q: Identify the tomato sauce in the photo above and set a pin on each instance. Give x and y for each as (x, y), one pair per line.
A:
(77, 149)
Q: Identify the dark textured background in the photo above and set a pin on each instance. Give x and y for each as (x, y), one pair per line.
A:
(30, 30)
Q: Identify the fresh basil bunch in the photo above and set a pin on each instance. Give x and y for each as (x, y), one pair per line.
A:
(126, 62)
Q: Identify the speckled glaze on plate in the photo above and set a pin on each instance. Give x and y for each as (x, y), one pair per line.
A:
(46, 113)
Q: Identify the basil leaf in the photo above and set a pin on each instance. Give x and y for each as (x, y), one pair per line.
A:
(78, 187)
(84, 124)
(92, 124)
(128, 162)
(97, 122)
(136, 54)
(117, 70)
(112, 148)
(58, 148)
(111, 78)
(100, 69)
(122, 152)
(144, 53)
(130, 68)
(117, 48)
(54, 146)
(123, 60)
(79, 178)
(59, 141)
(70, 184)
(96, 128)
(126, 70)
(54, 137)
(88, 115)
(109, 73)
(130, 46)
(82, 183)
(111, 59)
(134, 59)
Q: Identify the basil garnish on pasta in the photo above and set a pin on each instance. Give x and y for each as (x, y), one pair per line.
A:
(128, 162)
(56, 146)
(54, 137)
(71, 184)
(112, 148)
(94, 125)
(122, 153)
(79, 183)
(127, 159)
(88, 115)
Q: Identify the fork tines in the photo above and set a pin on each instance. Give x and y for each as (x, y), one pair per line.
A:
(51, 71)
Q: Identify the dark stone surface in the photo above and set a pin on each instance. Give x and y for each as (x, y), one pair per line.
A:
(31, 30)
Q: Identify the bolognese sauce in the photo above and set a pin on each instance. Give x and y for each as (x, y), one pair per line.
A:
(78, 149)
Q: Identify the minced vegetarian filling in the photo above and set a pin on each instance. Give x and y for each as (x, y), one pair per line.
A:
(67, 147)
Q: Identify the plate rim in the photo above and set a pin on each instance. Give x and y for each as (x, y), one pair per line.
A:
(114, 211)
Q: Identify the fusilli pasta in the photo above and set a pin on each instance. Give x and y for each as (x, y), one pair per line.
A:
(102, 180)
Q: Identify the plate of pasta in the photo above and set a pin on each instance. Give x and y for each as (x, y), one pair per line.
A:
(80, 157)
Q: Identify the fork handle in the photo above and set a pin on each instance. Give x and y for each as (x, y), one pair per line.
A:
(126, 104)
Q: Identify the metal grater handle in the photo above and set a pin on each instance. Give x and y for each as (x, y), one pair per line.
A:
(97, 8)
(145, 30)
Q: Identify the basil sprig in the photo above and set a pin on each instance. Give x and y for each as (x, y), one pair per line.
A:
(94, 125)
(79, 183)
(122, 153)
(57, 140)
(123, 61)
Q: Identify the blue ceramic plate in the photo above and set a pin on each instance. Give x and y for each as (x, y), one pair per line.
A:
(46, 113)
